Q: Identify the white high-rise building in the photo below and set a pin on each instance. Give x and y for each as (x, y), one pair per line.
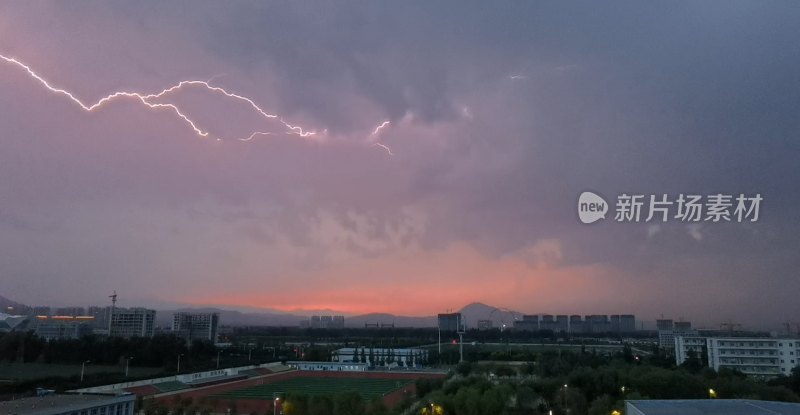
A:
(132, 322)
(759, 357)
(668, 331)
(191, 326)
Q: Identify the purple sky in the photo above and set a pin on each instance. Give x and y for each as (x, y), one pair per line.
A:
(499, 117)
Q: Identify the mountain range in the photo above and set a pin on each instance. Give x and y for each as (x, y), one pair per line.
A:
(471, 314)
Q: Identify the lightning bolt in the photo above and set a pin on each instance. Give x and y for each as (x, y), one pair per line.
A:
(377, 131)
(151, 101)
(379, 128)
(387, 149)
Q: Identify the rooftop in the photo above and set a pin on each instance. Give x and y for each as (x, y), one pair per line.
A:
(711, 407)
(56, 404)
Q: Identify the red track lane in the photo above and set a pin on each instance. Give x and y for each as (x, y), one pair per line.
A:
(203, 397)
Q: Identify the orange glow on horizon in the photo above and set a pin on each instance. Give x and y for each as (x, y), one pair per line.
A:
(438, 281)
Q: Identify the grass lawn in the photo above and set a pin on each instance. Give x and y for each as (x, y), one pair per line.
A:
(29, 371)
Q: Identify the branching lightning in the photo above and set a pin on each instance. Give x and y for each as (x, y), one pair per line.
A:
(375, 134)
(151, 101)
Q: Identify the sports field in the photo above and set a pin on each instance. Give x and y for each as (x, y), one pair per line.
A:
(257, 394)
(367, 388)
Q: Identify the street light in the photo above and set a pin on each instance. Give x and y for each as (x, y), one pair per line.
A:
(275, 405)
(83, 368)
(127, 365)
(712, 394)
(435, 409)
(179, 363)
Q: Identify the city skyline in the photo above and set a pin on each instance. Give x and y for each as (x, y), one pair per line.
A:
(390, 158)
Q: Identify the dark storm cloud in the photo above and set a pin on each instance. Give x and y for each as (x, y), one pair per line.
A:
(500, 116)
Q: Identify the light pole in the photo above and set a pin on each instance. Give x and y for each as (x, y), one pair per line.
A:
(439, 344)
(218, 352)
(275, 405)
(83, 368)
(127, 365)
(179, 363)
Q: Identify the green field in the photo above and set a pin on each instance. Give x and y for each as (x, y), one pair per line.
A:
(367, 388)
(30, 371)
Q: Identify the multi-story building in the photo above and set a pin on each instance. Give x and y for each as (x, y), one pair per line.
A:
(575, 324)
(627, 323)
(100, 315)
(10, 322)
(70, 311)
(323, 322)
(451, 322)
(62, 327)
(41, 311)
(195, 326)
(666, 336)
(326, 321)
(614, 323)
(758, 357)
(622, 323)
(596, 324)
(686, 346)
(546, 322)
(529, 322)
(132, 322)
(337, 322)
(410, 357)
(562, 323)
(663, 324)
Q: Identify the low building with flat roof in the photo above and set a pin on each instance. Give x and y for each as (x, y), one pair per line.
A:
(710, 407)
(71, 404)
(329, 366)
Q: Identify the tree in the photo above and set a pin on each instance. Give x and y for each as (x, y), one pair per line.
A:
(693, 363)
(464, 368)
(348, 403)
(295, 404)
(320, 405)
(601, 406)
